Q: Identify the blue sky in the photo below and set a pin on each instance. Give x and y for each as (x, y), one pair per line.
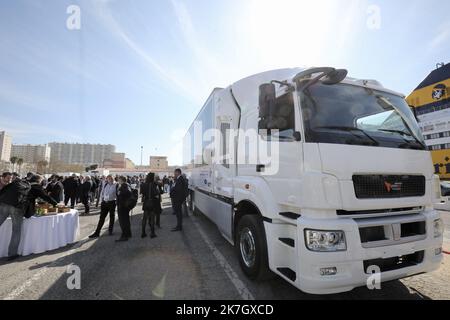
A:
(138, 71)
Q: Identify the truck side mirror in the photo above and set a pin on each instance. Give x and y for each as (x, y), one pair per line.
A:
(335, 77)
(267, 99)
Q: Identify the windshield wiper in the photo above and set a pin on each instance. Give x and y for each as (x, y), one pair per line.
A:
(412, 145)
(405, 134)
(383, 102)
(350, 129)
(397, 131)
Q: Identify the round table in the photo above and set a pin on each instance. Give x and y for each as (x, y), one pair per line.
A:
(41, 234)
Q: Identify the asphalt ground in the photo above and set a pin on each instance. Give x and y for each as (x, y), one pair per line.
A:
(197, 263)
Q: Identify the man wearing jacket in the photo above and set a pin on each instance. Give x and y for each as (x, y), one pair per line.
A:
(101, 184)
(10, 205)
(37, 191)
(124, 194)
(5, 179)
(55, 188)
(85, 191)
(71, 190)
(8, 209)
(108, 197)
(178, 196)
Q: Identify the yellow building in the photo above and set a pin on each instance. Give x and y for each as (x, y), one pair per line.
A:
(431, 103)
(158, 163)
(129, 164)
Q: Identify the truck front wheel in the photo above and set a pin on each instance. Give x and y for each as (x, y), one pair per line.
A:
(251, 247)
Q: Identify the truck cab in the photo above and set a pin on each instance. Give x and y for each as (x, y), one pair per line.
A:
(320, 178)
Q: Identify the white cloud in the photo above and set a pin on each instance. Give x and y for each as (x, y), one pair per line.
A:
(26, 130)
(208, 68)
(168, 75)
(31, 101)
(442, 37)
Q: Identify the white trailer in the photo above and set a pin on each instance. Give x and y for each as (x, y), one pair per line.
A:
(348, 188)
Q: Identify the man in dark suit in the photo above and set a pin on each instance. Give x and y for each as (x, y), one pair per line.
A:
(55, 188)
(85, 190)
(178, 196)
(71, 189)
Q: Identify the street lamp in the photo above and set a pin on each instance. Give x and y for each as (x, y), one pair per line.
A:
(142, 149)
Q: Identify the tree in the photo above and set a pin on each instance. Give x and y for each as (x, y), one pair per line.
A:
(59, 166)
(13, 160)
(42, 165)
(20, 163)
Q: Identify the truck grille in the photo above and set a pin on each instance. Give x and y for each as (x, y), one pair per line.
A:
(374, 234)
(380, 211)
(395, 263)
(382, 187)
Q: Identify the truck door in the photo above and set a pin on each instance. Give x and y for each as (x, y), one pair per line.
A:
(226, 122)
(283, 171)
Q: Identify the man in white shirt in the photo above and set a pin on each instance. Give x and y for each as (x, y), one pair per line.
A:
(108, 197)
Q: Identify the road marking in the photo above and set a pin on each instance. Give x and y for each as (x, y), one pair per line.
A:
(37, 276)
(160, 289)
(231, 274)
(118, 297)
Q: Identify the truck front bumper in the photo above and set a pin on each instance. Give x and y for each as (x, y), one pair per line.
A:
(350, 264)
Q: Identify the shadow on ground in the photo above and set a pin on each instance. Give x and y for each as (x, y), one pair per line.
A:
(169, 268)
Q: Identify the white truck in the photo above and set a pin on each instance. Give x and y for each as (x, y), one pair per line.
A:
(347, 189)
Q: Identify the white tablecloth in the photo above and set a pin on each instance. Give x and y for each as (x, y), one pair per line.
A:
(41, 234)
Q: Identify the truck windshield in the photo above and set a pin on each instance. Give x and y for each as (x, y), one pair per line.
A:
(348, 114)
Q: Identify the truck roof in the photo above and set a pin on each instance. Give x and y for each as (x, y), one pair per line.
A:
(247, 96)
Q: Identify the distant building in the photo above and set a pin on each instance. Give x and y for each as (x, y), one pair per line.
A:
(117, 160)
(31, 153)
(158, 163)
(431, 104)
(129, 164)
(143, 168)
(5, 146)
(82, 154)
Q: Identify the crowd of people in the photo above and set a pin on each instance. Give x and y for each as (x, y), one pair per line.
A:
(18, 198)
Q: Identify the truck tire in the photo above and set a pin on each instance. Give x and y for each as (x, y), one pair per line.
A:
(192, 204)
(191, 201)
(251, 247)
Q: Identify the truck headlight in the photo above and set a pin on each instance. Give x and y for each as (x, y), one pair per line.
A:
(438, 227)
(325, 241)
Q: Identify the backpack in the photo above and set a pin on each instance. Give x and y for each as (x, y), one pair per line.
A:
(16, 194)
(133, 199)
(94, 185)
(151, 203)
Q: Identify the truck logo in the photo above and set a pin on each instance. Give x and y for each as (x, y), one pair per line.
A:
(439, 92)
(397, 186)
